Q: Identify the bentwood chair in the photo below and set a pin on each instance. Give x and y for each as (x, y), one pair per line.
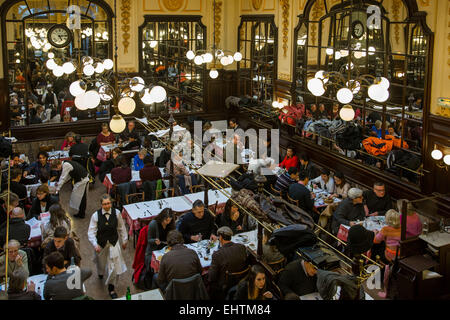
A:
(292, 201)
(275, 192)
(135, 197)
(197, 188)
(277, 266)
(233, 278)
(170, 193)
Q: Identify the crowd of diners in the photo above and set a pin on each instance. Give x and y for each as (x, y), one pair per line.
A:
(107, 233)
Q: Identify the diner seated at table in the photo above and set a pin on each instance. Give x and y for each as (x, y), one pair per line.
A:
(149, 172)
(231, 218)
(376, 201)
(184, 178)
(164, 156)
(133, 142)
(43, 179)
(390, 235)
(18, 229)
(270, 252)
(17, 259)
(69, 141)
(255, 286)
(179, 263)
(15, 185)
(349, 210)
(19, 289)
(18, 163)
(56, 287)
(341, 186)
(105, 137)
(290, 160)
(158, 229)
(58, 218)
(359, 241)
(122, 172)
(198, 224)
(413, 222)
(131, 128)
(79, 149)
(107, 166)
(377, 128)
(299, 191)
(324, 181)
(7, 205)
(65, 245)
(286, 179)
(299, 277)
(41, 203)
(138, 160)
(40, 165)
(307, 166)
(231, 257)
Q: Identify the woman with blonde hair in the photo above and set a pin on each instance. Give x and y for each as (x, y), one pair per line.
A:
(413, 223)
(58, 218)
(390, 234)
(69, 141)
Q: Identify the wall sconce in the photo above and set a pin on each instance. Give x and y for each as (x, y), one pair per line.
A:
(441, 155)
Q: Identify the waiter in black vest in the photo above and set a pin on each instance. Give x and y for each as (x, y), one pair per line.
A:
(105, 230)
(79, 175)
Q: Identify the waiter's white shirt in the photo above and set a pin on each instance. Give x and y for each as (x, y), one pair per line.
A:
(65, 176)
(93, 227)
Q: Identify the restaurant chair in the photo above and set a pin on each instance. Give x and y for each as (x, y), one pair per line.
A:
(278, 266)
(275, 192)
(233, 278)
(277, 291)
(170, 191)
(134, 197)
(292, 201)
(191, 288)
(197, 188)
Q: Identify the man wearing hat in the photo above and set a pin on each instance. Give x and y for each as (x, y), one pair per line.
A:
(360, 240)
(349, 210)
(231, 257)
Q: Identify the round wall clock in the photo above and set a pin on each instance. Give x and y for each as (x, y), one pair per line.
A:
(357, 29)
(59, 36)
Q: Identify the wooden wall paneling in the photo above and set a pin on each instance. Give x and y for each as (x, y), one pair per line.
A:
(219, 89)
(4, 105)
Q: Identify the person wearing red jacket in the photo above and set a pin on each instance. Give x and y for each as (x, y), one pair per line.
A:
(291, 160)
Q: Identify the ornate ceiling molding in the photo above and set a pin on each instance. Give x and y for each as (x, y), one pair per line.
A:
(125, 8)
(285, 15)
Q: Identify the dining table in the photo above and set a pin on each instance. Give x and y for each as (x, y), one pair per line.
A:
(370, 223)
(206, 248)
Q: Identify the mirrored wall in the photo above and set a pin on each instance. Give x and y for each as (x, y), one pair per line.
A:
(36, 96)
(354, 48)
(164, 42)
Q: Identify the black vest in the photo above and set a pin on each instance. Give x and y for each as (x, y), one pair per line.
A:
(107, 229)
(78, 173)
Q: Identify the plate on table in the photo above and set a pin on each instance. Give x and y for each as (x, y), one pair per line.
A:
(243, 238)
(30, 176)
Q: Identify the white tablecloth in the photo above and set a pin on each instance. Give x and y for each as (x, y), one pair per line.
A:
(249, 239)
(39, 281)
(58, 155)
(213, 196)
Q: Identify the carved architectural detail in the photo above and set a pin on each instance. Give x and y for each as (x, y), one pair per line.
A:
(284, 76)
(317, 11)
(173, 5)
(257, 4)
(285, 15)
(396, 12)
(424, 3)
(218, 21)
(125, 8)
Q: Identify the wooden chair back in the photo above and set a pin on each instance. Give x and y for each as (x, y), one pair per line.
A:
(275, 192)
(292, 201)
(135, 197)
(170, 191)
(232, 278)
(279, 265)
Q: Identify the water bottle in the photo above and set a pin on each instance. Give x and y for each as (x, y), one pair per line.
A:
(128, 295)
(425, 228)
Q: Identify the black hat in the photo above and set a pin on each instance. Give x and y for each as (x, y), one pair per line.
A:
(360, 240)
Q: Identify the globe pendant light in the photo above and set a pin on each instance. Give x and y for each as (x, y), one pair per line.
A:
(127, 105)
(190, 55)
(106, 93)
(437, 154)
(68, 68)
(146, 97)
(99, 68)
(447, 159)
(347, 113)
(354, 85)
(214, 74)
(158, 93)
(137, 84)
(378, 93)
(77, 88)
(237, 56)
(198, 60)
(208, 57)
(51, 64)
(108, 64)
(316, 87)
(89, 70)
(58, 71)
(117, 124)
(344, 95)
(384, 83)
(87, 60)
(51, 55)
(321, 75)
(92, 99)
(80, 102)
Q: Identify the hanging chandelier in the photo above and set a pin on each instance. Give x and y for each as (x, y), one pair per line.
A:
(214, 55)
(348, 82)
(94, 85)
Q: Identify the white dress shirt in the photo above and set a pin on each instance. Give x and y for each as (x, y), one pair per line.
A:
(65, 176)
(93, 227)
(329, 186)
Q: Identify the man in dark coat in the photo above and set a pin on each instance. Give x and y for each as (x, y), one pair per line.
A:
(64, 245)
(231, 257)
(79, 149)
(377, 202)
(298, 191)
(349, 211)
(18, 229)
(198, 225)
(298, 277)
(179, 263)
